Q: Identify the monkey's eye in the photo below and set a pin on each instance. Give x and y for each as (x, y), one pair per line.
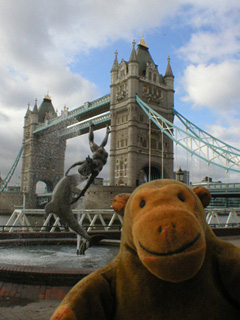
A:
(181, 197)
(142, 203)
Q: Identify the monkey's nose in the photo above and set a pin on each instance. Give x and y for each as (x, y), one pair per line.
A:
(164, 228)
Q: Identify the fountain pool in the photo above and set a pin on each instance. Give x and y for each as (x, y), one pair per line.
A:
(57, 256)
(51, 264)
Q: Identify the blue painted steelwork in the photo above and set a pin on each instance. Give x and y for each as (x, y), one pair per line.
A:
(221, 148)
(71, 115)
(105, 100)
(228, 156)
(5, 182)
(76, 129)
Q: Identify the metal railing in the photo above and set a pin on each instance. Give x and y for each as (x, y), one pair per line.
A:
(97, 219)
(101, 219)
(225, 217)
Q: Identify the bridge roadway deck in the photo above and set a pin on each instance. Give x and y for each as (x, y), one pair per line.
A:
(36, 302)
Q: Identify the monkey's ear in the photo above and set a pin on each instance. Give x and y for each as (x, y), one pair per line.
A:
(119, 203)
(203, 194)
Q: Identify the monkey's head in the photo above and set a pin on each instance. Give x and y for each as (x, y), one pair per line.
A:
(164, 223)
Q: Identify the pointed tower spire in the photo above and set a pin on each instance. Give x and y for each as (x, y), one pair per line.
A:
(28, 110)
(169, 81)
(35, 109)
(169, 72)
(133, 65)
(133, 56)
(115, 63)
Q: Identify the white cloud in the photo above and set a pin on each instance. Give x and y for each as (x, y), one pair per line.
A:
(227, 131)
(11, 140)
(96, 23)
(211, 75)
(215, 86)
(40, 38)
(217, 15)
(36, 29)
(204, 47)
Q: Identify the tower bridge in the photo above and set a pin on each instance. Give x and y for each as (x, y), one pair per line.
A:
(140, 109)
(45, 133)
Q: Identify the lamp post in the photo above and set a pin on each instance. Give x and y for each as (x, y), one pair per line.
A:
(180, 175)
(24, 199)
(149, 143)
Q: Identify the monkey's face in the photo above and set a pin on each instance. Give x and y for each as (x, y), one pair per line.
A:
(164, 222)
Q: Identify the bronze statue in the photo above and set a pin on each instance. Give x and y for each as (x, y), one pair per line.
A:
(99, 159)
(62, 196)
(61, 205)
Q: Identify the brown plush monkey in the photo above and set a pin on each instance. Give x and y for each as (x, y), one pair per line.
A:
(170, 266)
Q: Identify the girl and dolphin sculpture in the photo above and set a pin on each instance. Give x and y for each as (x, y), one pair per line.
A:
(62, 196)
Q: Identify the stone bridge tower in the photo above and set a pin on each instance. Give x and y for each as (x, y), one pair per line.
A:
(43, 154)
(133, 145)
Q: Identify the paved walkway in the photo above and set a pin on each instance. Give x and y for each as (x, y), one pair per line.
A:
(21, 302)
(39, 310)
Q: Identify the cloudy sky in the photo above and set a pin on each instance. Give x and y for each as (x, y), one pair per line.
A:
(66, 48)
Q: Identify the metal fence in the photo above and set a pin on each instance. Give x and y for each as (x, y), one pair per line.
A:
(97, 219)
(100, 219)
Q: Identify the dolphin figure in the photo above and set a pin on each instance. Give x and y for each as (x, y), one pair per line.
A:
(61, 206)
